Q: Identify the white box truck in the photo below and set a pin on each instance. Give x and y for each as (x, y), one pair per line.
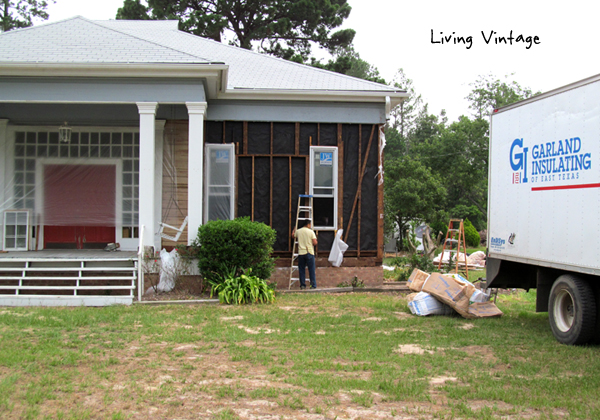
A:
(544, 205)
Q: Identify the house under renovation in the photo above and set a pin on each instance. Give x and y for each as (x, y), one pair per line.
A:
(134, 132)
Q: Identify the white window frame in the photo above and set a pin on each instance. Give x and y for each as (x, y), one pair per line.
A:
(16, 235)
(208, 148)
(325, 149)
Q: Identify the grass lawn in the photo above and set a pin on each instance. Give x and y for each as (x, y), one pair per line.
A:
(308, 356)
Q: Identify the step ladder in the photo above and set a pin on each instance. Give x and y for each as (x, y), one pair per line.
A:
(450, 234)
(304, 212)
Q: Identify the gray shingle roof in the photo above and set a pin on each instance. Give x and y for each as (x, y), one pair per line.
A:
(79, 40)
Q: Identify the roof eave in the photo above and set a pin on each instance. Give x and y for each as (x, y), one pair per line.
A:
(395, 96)
(110, 69)
(214, 73)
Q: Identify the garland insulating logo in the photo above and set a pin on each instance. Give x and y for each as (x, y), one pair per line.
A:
(561, 160)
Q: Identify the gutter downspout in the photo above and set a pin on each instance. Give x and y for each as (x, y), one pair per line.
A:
(388, 108)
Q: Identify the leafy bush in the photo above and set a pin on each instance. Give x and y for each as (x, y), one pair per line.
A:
(239, 243)
(472, 213)
(243, 289)
(439, 224)
(409, 263)
(354, 283)
(472, 237)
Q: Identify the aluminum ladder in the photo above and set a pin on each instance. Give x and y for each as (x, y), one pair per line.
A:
(304, 212)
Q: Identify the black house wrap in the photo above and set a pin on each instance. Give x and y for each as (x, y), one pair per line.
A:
(272, 169)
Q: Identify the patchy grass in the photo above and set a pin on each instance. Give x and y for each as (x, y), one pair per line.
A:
(322, 356)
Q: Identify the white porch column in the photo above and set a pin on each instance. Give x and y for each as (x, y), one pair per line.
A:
(159, 129)
(3, 176)
(196, 112)
(147, 186)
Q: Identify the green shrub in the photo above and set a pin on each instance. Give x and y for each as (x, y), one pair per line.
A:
(409, 263)
(243, 289)
(354, 283)
(472, 237)
(239, 243)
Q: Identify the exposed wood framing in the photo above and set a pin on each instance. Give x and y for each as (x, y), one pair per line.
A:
(252, 189)
(178, 133)
(266, 156)
(362, 173)
(340, 145)
(358, 190)
(290, 202)
(271, 180)
(297, 139)
(306, 165)
(318, 134)
(271, 140)
(271, 187)
(235, 205)
(245, 138)
(380, 239)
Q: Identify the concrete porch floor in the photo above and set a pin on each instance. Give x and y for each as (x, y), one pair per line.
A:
(69, 254)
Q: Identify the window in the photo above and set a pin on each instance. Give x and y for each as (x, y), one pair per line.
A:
(219, 182)
(16, 230)
(31, 145)
(323, 187)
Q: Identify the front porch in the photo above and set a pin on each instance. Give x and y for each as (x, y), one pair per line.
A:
(67, 278)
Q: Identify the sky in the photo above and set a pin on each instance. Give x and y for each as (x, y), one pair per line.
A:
(393, 34)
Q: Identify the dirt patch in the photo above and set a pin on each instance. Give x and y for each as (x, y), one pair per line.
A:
(412, 349)
(484, 352)
(232, 318)
(258, 330)
(441, 380)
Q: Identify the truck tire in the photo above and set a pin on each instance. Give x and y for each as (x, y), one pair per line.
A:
(572, 310)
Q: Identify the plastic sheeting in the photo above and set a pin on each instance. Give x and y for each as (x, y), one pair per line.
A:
(423, 304)
(88, 185)
(336, 256)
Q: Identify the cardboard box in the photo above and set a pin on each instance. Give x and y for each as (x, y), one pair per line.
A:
(416, 280)
(424, 304)
(484, 310)
(451, 291)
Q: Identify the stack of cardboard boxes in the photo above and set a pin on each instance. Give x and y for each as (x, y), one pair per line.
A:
(448, 290)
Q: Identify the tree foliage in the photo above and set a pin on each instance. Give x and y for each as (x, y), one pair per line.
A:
(403, 117)
(455, 155)
(16, 14)
(459, 154)
(284, 28)
(347, 61)
(491, 93)
(412, 192)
